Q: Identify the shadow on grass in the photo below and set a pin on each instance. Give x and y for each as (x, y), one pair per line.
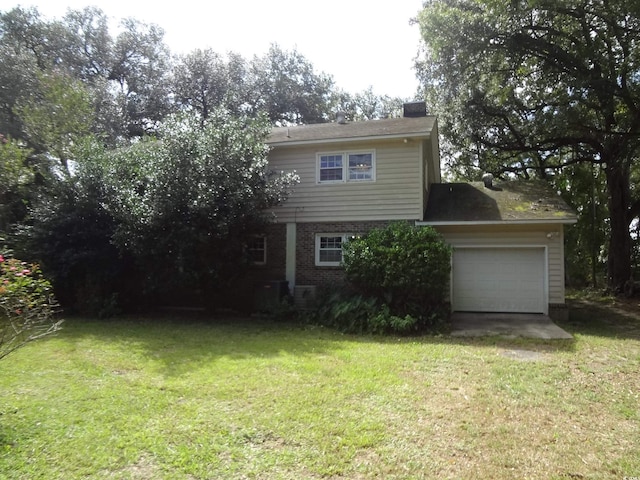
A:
(614, 318)
(507, 342)
(181, 342)
(184, 341)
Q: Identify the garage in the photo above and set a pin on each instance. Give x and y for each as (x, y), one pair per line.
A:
(499, 279)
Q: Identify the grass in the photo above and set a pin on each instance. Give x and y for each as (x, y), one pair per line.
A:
(185, 398)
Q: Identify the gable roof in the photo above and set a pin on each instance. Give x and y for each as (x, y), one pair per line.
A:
(506, 202)
(351, 131)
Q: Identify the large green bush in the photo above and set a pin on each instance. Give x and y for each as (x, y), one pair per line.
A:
(403, 267)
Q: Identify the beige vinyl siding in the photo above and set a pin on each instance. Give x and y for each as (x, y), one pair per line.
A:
(396, 193)
(518, 235)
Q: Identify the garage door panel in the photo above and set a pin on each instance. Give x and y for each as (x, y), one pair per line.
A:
(498, 279)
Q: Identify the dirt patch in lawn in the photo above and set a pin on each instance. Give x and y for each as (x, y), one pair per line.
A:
(144, 469)
(523, 355)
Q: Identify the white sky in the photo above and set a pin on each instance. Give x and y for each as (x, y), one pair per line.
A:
(361, 43)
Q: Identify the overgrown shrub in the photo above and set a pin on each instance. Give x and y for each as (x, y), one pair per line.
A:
(70, 237)
(355, 313)
(344, 312)
(27, 305)
(403, 267)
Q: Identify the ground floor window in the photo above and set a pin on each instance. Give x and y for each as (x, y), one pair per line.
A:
(329, 248)
(257, 250)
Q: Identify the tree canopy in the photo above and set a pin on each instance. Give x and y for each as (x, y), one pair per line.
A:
(134, 82)
(531, 87)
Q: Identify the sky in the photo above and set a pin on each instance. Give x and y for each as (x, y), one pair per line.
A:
(361, 43)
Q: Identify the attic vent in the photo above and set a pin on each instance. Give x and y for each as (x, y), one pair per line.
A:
(415, 109)
(341, 118)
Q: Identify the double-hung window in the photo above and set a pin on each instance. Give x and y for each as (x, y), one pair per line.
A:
(257, 250)
(329, 248)
(331, 168)
(360, 166)
(340, 167)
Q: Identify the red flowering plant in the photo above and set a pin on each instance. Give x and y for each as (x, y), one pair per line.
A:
(28, 308)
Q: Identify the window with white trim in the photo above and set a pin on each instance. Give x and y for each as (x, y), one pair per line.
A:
(329, 248)
(257, 250)
(360, 166)
(340, 167)
(330, 168)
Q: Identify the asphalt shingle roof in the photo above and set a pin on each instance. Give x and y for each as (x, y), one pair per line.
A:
(505, 201)
(324, 132)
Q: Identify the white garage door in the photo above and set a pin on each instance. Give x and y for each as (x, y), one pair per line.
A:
(498, 280)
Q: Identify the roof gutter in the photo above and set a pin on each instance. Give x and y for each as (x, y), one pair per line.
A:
(282, 143)
(498, 222)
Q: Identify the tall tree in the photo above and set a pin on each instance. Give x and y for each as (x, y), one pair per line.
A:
(21, 58)
(85, 44)
(367, 105)
(15, 176)
(286, 86)
(584, 187)
(527, 86)
(140, 71)
(126, 76)
(56, 116)
(204, 81)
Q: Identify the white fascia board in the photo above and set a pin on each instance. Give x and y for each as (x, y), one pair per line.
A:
(499, 222)
(422, 135)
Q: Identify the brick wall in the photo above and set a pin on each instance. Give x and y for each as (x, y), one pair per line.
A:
(307, 273)
(249, 290)
(275, 268)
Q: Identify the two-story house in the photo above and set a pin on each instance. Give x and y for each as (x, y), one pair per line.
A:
(507, 239)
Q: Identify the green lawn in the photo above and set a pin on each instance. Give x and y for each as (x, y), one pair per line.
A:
(193, 399)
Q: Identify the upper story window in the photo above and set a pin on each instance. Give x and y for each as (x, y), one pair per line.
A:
(331, 168)
(346, 167)
(361, 166)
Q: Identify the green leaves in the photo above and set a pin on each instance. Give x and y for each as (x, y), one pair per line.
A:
(531, 88)
(403, 266)
(27, 305)
(190, 197)
(513, 78)
(57, 116)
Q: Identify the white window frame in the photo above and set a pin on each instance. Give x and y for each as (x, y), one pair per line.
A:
(319, 168)
(345, 237)
(345, 166)
(264, 250)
